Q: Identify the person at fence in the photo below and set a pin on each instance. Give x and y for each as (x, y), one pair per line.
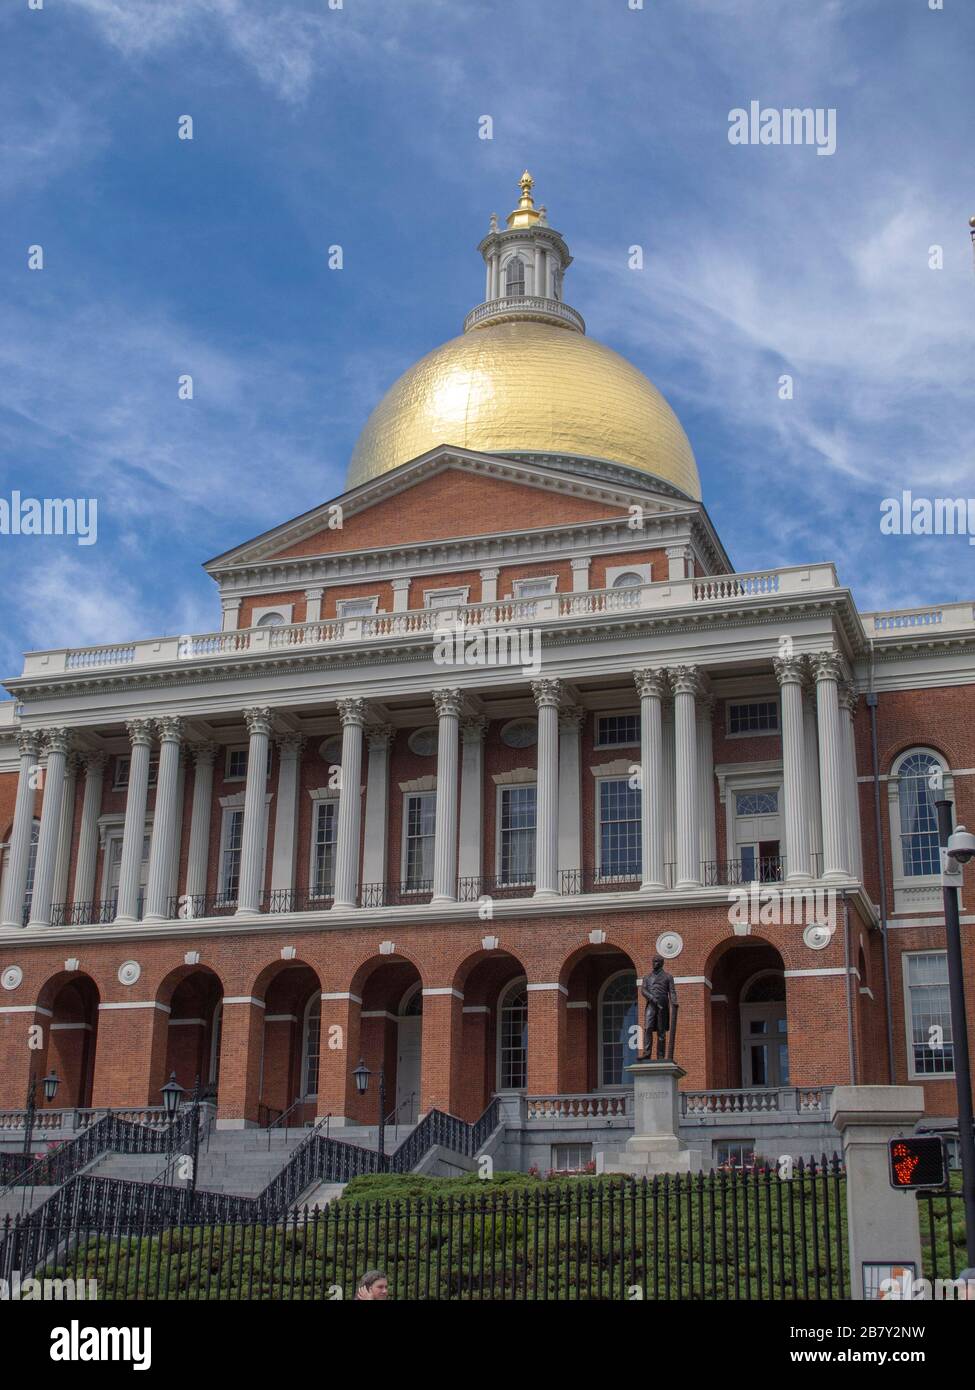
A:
(373, 1284)
(660, 992)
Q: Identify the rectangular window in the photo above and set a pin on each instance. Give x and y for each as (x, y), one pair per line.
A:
(930, 1043)
(445, 598)
(534, 588)
(323, 849)
(517, 834)
(122, 765)
(419, 823)
(233, 828)
(734, 1153)
(235, 768)
(356, 607)
(753, 717)
(618, 731)
(620, 849)
(571, 1158)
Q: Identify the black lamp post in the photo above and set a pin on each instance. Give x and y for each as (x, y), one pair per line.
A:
(172, 1094)
(50, 1084)
(196, 1131)
(362, 1075)
(957, 849)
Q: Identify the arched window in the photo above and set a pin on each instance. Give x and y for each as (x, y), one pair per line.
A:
(310, 1048)
(628, 580)
(271, 620)
(513, 1038)
(617, 1029)
(514, 276)
(919, 779)
(412, 1003)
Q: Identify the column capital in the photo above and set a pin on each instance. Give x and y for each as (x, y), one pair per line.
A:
(489, 573)
(258, 719)
(315, 593)
(474, 729)
(95, 762)
(826, 666)
(547, 692)
(290, 743)
(650, 682)
(447, 702)
(170, 728)
(352, 712)
(849, 698)
(403, 583)
(571, 718)
(29, 742)
(380, 736)
(685, 680)
(203, 753)
(581, 562)
(140, 731)
(57, 740)
(789, 670)
(678, 552)
(72, 763)
(231, 605)
(705, 705)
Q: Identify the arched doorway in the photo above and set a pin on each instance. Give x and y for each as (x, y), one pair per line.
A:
(764, 1031)
(193, 1035)
(409, 1034)
(617, 1029)
(749, 1017)
(290, 1058)
(512, 1059)
(602, 1019)
(72, 1036)
(494, 1030)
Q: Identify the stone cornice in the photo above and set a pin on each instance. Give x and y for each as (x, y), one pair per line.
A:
(761, 611)
(583, 905)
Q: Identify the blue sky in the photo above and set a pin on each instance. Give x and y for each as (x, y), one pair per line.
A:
(359, 126)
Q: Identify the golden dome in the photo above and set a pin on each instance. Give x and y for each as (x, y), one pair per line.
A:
(527, 388)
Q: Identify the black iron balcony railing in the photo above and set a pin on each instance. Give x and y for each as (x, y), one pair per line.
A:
(410, 893)
(573, 881)
(99, 913)
(740, 872)
(513, 885)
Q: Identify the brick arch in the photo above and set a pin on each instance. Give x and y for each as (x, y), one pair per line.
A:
(584, 975)
(730, 966)
(71, 1037)
(173, 979)
(193, 995)
(482, 978)
(897, 747)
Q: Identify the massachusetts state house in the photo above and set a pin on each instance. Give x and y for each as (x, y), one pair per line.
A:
(469, 744)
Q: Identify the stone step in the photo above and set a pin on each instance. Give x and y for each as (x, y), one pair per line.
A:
(21, 1200)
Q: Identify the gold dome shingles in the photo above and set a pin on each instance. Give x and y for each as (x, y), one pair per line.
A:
(526, 388)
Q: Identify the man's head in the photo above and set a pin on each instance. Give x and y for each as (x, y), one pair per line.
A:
(372, 1285)
(658, 962)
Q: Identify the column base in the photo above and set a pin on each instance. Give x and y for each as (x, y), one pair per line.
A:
(545, 894)
(9, 926)
(342, 906)
(798, 879)
(38, 922)
(651, 886)
(126, 921)
(683, 883)
(248, 912)
(156, 917)
(442, 900)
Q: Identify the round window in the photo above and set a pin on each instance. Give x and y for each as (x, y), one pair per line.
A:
(520, 733)
(423, 742)
(330, 749)
(629, 580)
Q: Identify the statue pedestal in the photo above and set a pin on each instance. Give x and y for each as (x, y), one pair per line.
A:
(655, 1147)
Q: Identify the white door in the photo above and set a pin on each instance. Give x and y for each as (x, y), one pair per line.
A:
(408, 1070)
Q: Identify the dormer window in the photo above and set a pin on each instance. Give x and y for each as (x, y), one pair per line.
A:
(514, 276)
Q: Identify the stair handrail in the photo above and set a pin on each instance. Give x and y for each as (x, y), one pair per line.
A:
(299, 1100)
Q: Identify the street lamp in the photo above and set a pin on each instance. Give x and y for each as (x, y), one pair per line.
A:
(50, 1084)
(957, 848)
(172, 1094)
(362, 1075)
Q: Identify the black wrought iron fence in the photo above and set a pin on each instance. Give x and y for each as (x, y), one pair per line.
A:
(727, 1235)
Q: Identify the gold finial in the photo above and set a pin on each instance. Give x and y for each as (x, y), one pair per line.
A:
(971, 221)
(525, 214)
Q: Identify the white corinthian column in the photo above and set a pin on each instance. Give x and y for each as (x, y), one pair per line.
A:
(445, 828)
(133, 833)
(91, 805)
(826, 667)
(652, 686)
(253, 837)
(57, 742)
(15, 878)
(548, 694)
(352, 713)
(790, 672)
(162, 846)
(685, 680)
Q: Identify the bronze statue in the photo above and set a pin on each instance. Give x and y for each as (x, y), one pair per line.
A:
(660, 992)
